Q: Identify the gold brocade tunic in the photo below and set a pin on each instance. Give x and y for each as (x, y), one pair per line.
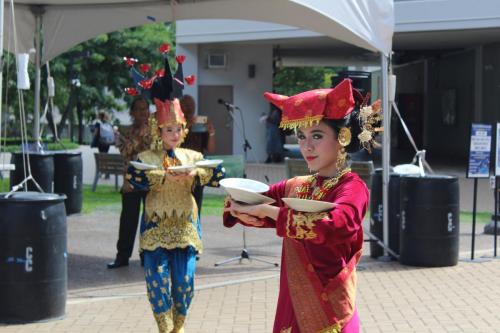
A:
(171, 219)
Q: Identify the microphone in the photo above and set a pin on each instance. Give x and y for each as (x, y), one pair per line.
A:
(226, 104)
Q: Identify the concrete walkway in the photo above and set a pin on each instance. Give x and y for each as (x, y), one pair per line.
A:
(242, 297)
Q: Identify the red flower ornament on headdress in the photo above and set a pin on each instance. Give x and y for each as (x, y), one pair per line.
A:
(132, 91)
(164, 48)
(180, 58)
(130, 61)
(190, 79)
(144, 68)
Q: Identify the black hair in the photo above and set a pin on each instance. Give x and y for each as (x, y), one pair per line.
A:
(136, 100)
(353, 123)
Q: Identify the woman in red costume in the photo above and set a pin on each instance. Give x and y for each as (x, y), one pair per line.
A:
(320, 250)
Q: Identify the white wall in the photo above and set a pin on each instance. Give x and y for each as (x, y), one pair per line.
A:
(247, 92)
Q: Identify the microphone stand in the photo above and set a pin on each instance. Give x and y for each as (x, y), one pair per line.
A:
(246, 146)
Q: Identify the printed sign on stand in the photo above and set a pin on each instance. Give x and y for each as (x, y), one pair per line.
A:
(480, 151)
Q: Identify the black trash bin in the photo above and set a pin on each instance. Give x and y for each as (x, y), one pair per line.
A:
(33, 257)
(42, 169)
(376, 213)
(429, 221)
(68, 179)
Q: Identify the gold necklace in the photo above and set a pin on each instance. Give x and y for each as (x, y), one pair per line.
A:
(170, 161)
(305, 191)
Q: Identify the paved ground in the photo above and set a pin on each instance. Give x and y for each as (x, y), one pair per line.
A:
(241, 297)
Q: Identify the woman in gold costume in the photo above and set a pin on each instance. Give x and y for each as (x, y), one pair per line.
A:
(170, 237)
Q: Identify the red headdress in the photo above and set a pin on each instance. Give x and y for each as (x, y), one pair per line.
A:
(308, 108)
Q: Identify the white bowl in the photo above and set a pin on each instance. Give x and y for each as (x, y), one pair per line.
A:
(208, 163)
(246, 190)
(308, 206)
(181, 168)
(143, 166)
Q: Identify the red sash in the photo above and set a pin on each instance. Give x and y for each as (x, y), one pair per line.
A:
(318, 308)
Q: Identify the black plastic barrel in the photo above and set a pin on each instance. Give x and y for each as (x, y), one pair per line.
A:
(429, 221)
(376, 213)
(42, 169)
(33, 257)
(68, 179)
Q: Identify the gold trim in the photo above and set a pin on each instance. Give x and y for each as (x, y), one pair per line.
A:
(303, 122)
(165, 321)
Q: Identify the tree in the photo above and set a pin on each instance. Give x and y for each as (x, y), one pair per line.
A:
(293, 80)
(98, 66)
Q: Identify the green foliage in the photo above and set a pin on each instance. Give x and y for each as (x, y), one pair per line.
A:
(98, 65)
(293, 80)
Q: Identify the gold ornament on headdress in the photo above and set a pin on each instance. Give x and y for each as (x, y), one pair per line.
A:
(370, 116)
(156, 142)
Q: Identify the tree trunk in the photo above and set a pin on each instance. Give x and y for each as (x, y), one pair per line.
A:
(79, 114)
(67, 110)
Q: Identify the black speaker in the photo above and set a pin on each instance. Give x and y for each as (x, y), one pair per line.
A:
(361, 81)
(251, 71)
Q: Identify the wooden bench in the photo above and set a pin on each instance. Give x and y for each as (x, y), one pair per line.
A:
(108, 164)
(298, 167)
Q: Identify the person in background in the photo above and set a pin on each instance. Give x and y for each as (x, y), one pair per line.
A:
(320, 249)
(134, 140)
(104, 134)
(274, 142)
(200, 138)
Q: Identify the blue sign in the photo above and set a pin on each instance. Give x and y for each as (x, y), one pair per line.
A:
(480, 151)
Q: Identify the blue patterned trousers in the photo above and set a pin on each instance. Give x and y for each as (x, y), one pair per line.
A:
(170, 285)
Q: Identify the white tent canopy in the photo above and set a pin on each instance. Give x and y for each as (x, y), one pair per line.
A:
(368, 24)
(65, 23)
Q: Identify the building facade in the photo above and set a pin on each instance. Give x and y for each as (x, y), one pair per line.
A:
(446, 58)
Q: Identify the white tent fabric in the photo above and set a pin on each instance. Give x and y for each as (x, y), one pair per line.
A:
(65, 23)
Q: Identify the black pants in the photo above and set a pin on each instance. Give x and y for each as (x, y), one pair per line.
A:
(198, 196)
(129, 219)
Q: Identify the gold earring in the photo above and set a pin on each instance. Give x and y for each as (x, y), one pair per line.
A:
(341, 159)
(344, 139)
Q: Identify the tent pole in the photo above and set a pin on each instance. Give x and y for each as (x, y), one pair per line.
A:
(1, 63)
(386, 150)
(38, 12)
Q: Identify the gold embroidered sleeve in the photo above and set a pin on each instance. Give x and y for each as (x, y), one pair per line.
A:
(155, 178)
(301, 225)
(205, 175)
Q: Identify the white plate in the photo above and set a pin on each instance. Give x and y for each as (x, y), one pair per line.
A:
(308, 206)
(246, 190)
(143, 166)
(181, 168)
(208, 163)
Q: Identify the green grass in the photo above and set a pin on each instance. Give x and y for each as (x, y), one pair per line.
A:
(11, 148)
(4, 185)
(213, 205)
(104, 196)
(481, 217)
